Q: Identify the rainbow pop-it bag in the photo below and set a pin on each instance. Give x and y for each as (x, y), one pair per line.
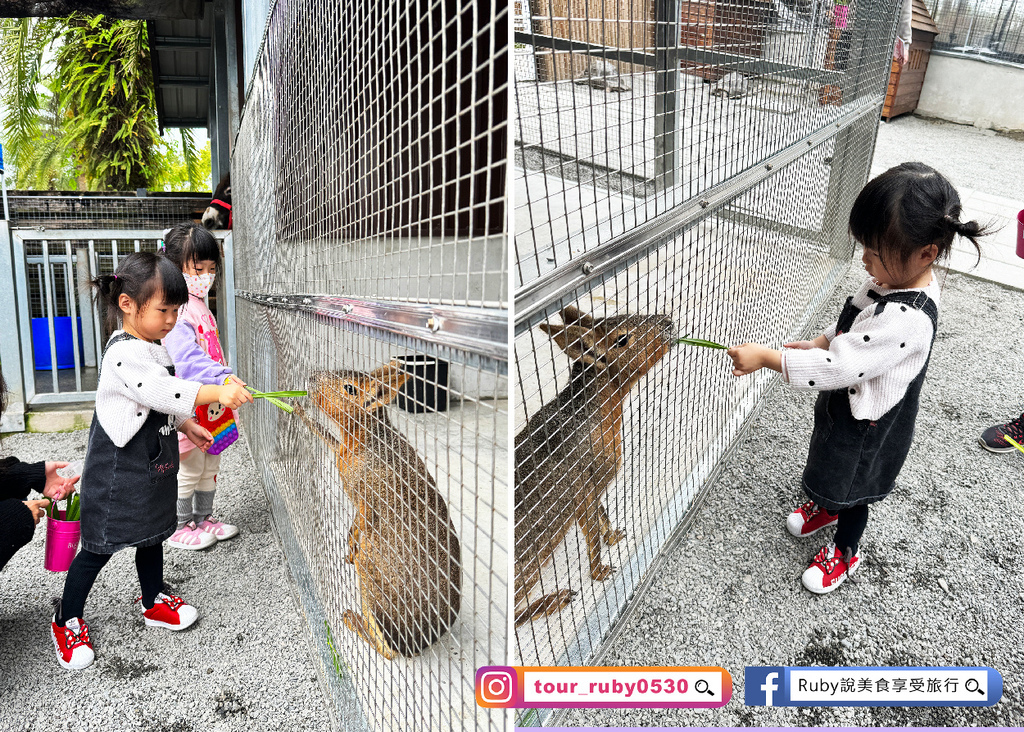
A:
(221, 422)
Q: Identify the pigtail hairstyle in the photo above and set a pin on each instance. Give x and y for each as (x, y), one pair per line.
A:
(908, 207)
(141, 276)
(191, 243)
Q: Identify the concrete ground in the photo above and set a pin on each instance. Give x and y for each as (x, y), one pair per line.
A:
(246, 664)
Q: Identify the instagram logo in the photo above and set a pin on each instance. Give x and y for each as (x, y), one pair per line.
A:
(496, 686)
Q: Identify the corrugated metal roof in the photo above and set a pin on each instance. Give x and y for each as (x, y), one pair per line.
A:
(181, 69)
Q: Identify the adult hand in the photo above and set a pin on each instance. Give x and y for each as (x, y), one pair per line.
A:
(38, 508)
(58, 488)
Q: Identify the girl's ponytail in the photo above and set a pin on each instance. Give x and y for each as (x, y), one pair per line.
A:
(970, 230)
(108, 292)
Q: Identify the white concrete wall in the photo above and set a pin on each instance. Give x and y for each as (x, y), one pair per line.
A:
(986, 95)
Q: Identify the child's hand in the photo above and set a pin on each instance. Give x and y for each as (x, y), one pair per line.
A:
(802, 345)
(750, 357)
(236, 380)
(233, 396)
(199, 435)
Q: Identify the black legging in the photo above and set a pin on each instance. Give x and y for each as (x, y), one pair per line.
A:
(149, 561)
(850, 528)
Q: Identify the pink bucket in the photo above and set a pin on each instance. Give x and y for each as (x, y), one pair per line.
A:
(1020, 235)
(842, 15)
(62, 539)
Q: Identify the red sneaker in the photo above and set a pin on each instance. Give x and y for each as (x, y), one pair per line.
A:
(171, 612)
(74, 649)
(809, 519)
(829, 569)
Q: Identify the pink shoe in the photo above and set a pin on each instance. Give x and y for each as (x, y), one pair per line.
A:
(191, 537)
(217, 529)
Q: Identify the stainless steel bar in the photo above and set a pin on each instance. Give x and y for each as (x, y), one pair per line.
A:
(49, 313)
(483, 331)
(69, 290)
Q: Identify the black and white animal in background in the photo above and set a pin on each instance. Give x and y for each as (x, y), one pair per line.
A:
(218, 214)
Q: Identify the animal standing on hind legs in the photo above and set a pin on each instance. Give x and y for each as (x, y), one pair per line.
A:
(570, 451)
(218, 214)
(403, 543)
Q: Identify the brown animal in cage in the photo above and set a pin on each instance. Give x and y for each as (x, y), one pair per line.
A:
(570, 450)
(402, 542)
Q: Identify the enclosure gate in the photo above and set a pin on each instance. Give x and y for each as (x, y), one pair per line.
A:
(690, 163)
(368, 180)
(52, 332)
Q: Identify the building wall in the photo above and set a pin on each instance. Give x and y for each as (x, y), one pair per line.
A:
(986, 95)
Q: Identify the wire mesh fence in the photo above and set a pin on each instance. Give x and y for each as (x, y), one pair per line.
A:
(370, 239)
(983, 29)
(97, 211)
(682, 168)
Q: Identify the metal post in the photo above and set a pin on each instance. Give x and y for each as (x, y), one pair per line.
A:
(49, 310)
(219, 128)
(226, 311)
(10, 341)
(69, 293)
(24, 320)
(668, 14)
(85, 305)
(231, 52)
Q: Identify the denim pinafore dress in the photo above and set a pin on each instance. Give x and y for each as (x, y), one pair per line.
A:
(129, 493)
(851, 461)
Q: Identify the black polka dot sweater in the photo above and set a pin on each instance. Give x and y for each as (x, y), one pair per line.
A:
(875, 361)
(134, 379)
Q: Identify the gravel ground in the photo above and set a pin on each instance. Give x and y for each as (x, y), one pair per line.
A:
(247, 663)
(730, 593)
(969, 157)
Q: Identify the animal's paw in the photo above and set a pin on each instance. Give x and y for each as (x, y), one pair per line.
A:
(353, 621)
(611, 538)
(603, 572)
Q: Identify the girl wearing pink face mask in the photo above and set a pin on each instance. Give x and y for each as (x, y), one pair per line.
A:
(195, 348)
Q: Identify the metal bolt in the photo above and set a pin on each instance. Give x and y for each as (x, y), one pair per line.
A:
(347, 309)
(306, 301)
(768, 166)
(809, 143)
(704, 204)
(433, 324)
(587, 268)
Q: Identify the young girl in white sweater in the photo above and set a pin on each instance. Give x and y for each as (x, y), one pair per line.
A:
(129, 485)
(869, 367)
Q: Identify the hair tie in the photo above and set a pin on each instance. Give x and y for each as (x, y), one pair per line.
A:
(115, 277)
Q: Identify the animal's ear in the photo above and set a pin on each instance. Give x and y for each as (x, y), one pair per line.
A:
(574, 340)
(387, 381)
(227, 191)
(572, 314)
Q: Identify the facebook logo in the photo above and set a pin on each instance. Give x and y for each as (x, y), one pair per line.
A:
(762, 686)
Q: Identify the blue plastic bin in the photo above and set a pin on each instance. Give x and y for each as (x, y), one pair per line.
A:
(65, 346)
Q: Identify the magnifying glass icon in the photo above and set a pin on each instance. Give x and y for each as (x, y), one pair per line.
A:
(702, 687)
(975, 688)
